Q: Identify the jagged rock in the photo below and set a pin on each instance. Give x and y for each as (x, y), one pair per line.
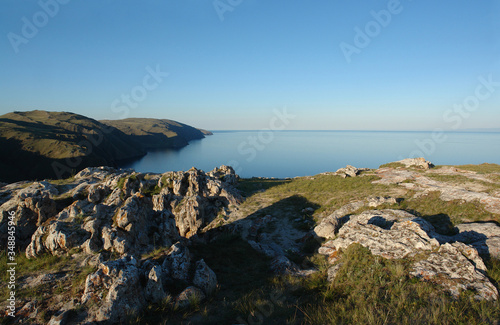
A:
(178, 262)
(395, 234)
(190, 215)
(97, 193)
(205, 278)
(456, 267)
(114, 199)
(350, 171)
(32, 205)
(226, 173)
(62, 236)
(125, 295)
(154, 288)
(189, 296)
(36, 246)
(416, 162)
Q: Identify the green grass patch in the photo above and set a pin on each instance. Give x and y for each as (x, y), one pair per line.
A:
(458, 211)
(151, 189)
(324, 192)
(121, 182)
(485, 168)
(249, 186)
(372, 290)
(392, 165)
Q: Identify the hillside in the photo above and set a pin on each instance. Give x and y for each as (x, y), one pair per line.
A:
(41, 144)
(158, 133)
(407, 243)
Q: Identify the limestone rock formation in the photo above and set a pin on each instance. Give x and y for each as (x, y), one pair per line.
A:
(350, 171)
(396, 234)
(329, 226)
(416, 162)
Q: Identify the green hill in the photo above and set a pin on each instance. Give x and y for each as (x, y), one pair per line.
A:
(40, 144)
(158, 133)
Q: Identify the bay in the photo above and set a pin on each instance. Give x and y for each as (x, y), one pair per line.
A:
(300, 153)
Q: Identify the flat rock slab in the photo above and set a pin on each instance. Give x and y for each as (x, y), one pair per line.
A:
(395, 234)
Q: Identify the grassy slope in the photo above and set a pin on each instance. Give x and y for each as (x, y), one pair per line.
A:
(57, 135)
(156, 133)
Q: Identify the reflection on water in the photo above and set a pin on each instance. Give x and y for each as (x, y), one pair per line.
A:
(301, 153)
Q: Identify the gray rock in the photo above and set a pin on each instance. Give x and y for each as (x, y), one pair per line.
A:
(416, 162)
(332, 271)
(190, 296)
(36, 247)
(282, 265)
(485, 237)
(120, 282)
(154, 291)
(330, 225)
(456, 267)
(395, 234)
(178, 262)
(205, 278)
(350, 171)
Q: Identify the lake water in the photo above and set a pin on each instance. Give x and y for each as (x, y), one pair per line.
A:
(301, 153)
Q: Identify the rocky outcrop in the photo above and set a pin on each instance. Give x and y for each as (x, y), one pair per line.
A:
(123, 287)
(396, 234)
(350, 171)
(330, 225)
(416, 162)
(105, 213)
(32, 206)
(114, 210)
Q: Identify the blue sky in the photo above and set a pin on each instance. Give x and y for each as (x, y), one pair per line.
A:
(232, 63)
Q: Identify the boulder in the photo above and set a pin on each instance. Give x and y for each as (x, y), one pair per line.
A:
(205, 278)
(416, 162)
(116, 289)
(178, 262)
(350, 171)
(191, 295)
(154, 291)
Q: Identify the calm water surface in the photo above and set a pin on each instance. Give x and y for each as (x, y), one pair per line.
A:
(300, 153)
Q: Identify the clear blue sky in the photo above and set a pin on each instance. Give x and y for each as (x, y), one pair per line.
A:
(263, 55)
